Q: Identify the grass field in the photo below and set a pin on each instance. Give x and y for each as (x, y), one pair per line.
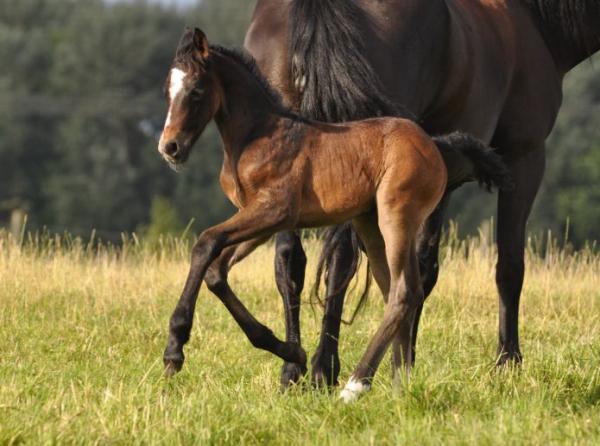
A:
(82, 332)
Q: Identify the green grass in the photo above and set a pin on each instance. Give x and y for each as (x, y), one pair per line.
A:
(82, 332)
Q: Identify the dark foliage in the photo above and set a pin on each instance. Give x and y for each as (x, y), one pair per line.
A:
(80, 106)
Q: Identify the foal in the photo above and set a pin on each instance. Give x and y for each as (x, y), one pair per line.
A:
(283, 172)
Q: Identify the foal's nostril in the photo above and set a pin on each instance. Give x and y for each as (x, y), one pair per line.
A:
(171, 149)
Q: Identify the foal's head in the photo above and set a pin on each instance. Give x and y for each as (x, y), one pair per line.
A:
(193, 93)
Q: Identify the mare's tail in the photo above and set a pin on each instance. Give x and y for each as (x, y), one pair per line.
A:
(469, 159)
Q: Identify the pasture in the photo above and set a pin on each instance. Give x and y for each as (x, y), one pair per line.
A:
(82, 331)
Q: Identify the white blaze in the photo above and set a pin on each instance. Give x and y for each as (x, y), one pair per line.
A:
(175, 86)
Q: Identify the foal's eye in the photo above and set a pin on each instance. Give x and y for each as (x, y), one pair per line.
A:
(197, 93)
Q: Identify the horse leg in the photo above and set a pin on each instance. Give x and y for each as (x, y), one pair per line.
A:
(514, 207)
(259, 221)
(403, 342)
(290, 266)
(340, 269)
(428, 255)
(403, 299)
(216, 281)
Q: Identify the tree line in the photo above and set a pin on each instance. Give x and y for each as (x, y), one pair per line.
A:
(81, 105)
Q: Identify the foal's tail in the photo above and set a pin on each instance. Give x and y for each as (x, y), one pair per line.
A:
(469, 159)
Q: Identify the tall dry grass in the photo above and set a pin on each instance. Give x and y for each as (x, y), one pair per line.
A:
(83, 323)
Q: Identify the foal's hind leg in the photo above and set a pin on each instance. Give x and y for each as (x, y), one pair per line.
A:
(370, 235)
(398, 231)
(403, 343)
(428, 249)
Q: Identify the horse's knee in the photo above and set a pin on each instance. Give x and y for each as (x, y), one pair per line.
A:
(290, 260)
(289, 248)
(216, 280)
(344, 249)
(208, 246)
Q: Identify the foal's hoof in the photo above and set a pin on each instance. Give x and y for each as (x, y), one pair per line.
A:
(353, 389)
(291, 374)
(173, 364)
(325, 369)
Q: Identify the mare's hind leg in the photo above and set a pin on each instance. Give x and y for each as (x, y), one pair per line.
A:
(290, 266)
(398, 231)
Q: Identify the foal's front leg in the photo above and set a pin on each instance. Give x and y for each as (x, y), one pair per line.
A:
(262, 219)
(259, 335)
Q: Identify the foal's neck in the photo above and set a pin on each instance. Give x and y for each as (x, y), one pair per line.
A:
(247, 111)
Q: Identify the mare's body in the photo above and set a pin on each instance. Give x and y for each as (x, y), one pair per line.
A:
(493, 68)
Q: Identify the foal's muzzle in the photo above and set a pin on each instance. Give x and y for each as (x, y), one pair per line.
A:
(173, 151)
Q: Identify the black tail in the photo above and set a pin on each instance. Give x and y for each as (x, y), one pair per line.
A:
(469, 159)
(329, 67)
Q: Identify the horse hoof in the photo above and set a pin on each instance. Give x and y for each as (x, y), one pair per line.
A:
(353, 390)
(291, 374)
(171, 369)
(509, 359)
(173, 364)
(325, 370)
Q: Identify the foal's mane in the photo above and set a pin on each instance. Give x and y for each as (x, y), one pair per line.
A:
(247, 62)
(569, 16)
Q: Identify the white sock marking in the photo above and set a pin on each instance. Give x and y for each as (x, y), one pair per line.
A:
(353, 389)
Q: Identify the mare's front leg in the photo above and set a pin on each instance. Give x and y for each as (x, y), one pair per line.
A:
(290, 266)
(259, 220)
(341, 256)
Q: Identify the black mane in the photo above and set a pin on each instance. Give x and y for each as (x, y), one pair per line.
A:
(328, 60)
(245, 60)
(571, 18)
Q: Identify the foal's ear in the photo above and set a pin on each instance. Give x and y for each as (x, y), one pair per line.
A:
(201, 46)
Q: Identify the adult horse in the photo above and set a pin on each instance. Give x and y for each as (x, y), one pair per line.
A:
(492, 68)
